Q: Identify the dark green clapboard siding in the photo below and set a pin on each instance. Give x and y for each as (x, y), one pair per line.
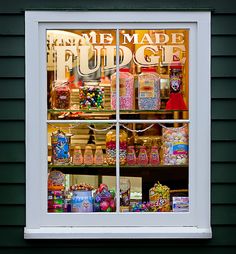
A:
(12, 127)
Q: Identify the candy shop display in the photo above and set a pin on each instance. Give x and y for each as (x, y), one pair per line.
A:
(142, 157)
(149, 90)
(175, 145)
(60, 148)
(104, 199)
(131, 157)
(124, 191)
(60, 95)
(77, 156)
(154, 156)
(88, 155)
(160, 196)
(176, 101)
(98, 156)
(82, 201)
(126, 81)
(91, 97)
(111, 147)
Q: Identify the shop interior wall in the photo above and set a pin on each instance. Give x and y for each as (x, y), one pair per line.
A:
(12, 131)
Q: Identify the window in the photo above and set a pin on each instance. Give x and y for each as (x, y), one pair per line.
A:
(118, 124)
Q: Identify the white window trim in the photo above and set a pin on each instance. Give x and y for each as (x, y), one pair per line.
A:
(39, 223)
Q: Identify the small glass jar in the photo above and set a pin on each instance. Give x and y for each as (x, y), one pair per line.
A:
(149, 90)
(60, 95)
(88, 156)
(126, 81)
(131, 157)
(111, 147)
(77, 156)
(98, 156)
(154, 156)
(142, 157)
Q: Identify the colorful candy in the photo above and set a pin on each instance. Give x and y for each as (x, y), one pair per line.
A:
(142, 157)
(111, 147)
(60, 95)
(175, 145)
(104, 199)
(149, 90)
(126, 81)
(91, 97)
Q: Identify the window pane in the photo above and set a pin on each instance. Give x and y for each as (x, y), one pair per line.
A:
(79, 68)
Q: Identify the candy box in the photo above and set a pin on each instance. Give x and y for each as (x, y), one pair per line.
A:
(180, 204)
(91, 97)
(82, 201)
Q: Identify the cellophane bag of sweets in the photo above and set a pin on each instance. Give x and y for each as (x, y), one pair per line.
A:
(61, 95)
(126, 81)
(175, 145)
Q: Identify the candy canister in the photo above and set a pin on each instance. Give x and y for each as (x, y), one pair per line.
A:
(60, 95)
(82, 201)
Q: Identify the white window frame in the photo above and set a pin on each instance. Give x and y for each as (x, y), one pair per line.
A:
(195, 223)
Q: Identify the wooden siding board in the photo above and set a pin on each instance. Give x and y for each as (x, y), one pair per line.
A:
(12, 24)
(12, 173)
(12, 152)
(228, 210)
(13, 110)
(12, 67)
(223, 109)
(223, 193)
(12, 215)
(12, 88)
(223, 24)
(223, 151)
(14, 194)
(223, 130)
(12, 131)
(12, 45)
(223, 45)
(223, 66)
(222, 172)
(223, 88)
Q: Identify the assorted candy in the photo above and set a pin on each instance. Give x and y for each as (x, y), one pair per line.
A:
(111, 147)
(149, 90)
(81, 186)
(126, 92)
(175, 145)
(104, 199)
(160, 196)
(91, 97)
(60, 95)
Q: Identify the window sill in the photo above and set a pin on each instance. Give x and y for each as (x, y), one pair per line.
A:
(117, 232)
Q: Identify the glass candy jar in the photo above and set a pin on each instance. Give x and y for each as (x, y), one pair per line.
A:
(149, 90)
(60, 95)
(126, 81)
(111, 147)
(88, 155)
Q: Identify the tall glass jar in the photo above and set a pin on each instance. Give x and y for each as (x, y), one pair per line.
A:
(98, 156)
(88, 155)
(61, 95)
(142, 157)
(77, 156)
(126, 81)
(111, 147)
(149, 90)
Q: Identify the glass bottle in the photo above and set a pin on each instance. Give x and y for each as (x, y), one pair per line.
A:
(154, 156)
(98, 156)
(126, 81)
(142, 157)
(124, 191)
(131, 157)
(88, 156)
(77, 156)
(149, 90)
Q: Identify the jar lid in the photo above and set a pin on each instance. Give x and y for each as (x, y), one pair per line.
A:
(98, 147)
(88, 147)
(142, 147)
(77, 147)
(154, 147)
(125, 69)
(148, 69)
(177, 66)
(130, 147)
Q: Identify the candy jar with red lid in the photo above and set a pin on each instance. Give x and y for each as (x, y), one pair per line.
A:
(154, 156)
(131, 157)
(142, 157)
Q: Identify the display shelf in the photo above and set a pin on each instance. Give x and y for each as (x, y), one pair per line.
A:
(173, 172)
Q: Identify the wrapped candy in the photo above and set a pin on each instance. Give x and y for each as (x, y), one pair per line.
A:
(91, 97)
(160, 196)
(60, 95)
(175, 145)
(104, 199)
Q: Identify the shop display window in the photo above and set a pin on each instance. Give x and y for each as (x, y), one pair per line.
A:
(117, 126)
